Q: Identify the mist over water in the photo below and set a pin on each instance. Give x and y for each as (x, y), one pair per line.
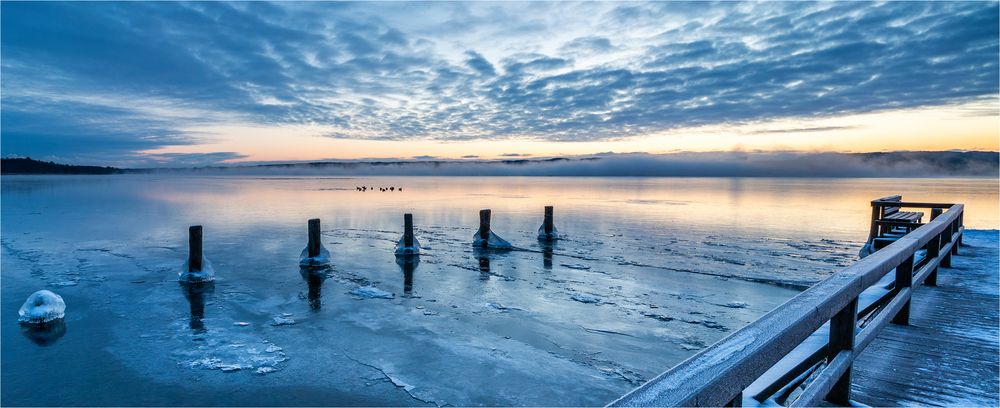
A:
(720, 164)
(649, 271)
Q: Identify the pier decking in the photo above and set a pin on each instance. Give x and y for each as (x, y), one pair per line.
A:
(947, 355)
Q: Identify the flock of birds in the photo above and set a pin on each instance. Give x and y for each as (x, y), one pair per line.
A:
(366, 188)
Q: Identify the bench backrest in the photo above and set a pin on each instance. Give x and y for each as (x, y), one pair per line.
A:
(890, 210)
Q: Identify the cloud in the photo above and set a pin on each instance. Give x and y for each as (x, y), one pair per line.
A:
(479, 64)
(588, 44)
(802, 130)
(515, 155)
(470, 71)
(79, 132)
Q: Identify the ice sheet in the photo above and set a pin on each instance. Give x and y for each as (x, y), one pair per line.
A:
(463, 327)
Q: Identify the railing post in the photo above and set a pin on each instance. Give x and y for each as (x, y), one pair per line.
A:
(954, 229)
(933, 250)
(946, 238)
(873, 232)
(961, 223)
(194, 248)
(904, 279)
(842, 328)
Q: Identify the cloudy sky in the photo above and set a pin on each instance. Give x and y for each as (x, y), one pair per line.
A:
(175, 84)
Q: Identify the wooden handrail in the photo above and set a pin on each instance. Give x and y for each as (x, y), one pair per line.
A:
(717, 375)
(905, 204)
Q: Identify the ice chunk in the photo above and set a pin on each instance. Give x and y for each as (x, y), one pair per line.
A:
(737, 304)
(548, 236)
(576, 266)
(42, 307)
(322, 259)
(282, 321)
(402, 249)
(206, 274)
(371, 292)
(585, 298)
(494, 242)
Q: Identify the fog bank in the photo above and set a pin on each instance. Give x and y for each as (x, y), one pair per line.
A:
(721, 164)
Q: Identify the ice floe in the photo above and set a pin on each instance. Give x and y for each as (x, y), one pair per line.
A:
(371, 292)
(585, 298)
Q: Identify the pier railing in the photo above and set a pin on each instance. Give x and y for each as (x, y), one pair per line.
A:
(774, 345)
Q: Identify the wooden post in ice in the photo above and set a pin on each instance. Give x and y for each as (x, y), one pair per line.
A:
(548, 220)
(314, 238)
(408, 230)
(484, 227)
(194, 248)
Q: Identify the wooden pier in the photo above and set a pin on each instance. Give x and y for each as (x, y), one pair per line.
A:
(947, 355)
(886, 331)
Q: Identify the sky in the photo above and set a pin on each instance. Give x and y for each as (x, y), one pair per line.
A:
(165, 84)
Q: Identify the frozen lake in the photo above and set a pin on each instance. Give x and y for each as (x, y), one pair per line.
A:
(650, 271)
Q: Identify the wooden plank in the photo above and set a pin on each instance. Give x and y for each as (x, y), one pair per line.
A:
(949, 355)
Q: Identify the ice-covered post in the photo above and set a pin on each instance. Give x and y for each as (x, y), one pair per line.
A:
(408, 230)
(314, 238)
(194, 246)
(548, 220)
(484, 227)
(547, 232)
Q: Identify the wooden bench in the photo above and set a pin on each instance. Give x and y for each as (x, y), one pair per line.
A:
(889, 223)
(892, 221)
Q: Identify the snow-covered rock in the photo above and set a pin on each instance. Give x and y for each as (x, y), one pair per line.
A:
(42, 307)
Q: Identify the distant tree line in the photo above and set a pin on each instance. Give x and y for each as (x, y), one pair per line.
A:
(28, 165)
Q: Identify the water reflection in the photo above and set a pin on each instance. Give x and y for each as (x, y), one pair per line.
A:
(408, 264)
(195, 293)
(484, 265)
(547, 247)
(314, 278)
(44, 334)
